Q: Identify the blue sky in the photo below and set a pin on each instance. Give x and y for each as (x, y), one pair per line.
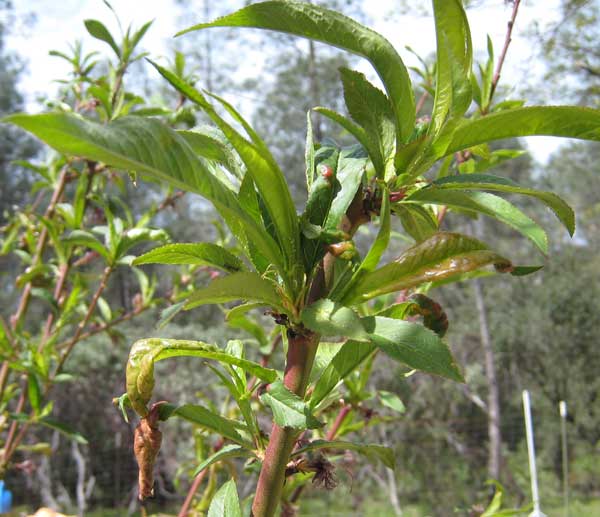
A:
(58, 23)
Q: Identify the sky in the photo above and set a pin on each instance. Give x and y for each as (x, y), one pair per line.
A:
(58, 23)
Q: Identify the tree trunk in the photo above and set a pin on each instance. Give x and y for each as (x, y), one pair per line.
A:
(493, 398)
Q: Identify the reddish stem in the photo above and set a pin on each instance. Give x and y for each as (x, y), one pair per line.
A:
(300, 357)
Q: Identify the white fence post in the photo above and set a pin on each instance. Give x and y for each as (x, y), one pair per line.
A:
(537, 512)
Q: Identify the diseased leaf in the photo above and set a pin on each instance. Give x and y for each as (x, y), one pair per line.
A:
(201, 254)
(238, 286)
(321, 24)
(329, 318)
(289, 410)
(414, 345)
(228, 451)
(441, 256)
(225, 502)
(372, 452)
(145, 352)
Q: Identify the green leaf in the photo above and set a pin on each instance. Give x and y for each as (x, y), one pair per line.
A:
(62, 428)
(289, 410)
(488, 204)
(441, 256)
(561, 209)
(145, 352)
(238, 286)
(564, 121)
(259, 162)
(454, 62)
(205, 418)
(333, 319)
(169, 313)
(321, 24)
(418, 221)
(391, 400)
(88, 240)
(225, 502)
(34, 393)
(210, 143)
(349, 173)
(228, 451)
(201, 254)
(357, 132)
(147, 146)
(371, 109)
(382, 240)
(99, 31)
(372, 452)
(414, 345)
(350, 355)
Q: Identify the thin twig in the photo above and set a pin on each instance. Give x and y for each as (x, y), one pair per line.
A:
(507, 41)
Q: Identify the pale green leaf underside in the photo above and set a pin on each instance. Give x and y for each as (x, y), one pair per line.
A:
(413, 345)
(289, 410)
(225, 502)
(329, 318)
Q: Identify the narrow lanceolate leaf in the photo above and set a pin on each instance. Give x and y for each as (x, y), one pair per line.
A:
(245, 286)
(98, 30)
(488, 204)
(418, 221)
(350, 355)
(225, 502)
(372, 452)
(414, 345)
(62, 428)
(145, 352)
(205, 418)
(260, 164)
(356, 131)
(210, 143)
(321, 24)
(329, 318)
(454, 62)
(564, 121)
(147, 146)
(201, 254)
(228, 451)
(289, 410)
(441, 256)
(561, 209)
(371, 110)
